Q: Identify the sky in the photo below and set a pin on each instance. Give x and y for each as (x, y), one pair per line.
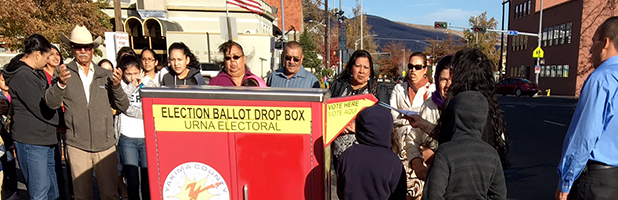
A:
(425, 12)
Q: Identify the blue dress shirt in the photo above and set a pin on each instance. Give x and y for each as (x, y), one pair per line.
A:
(592, 134)
(302, 79)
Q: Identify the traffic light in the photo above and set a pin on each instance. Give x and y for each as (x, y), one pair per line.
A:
(440, 25)
(479, 29)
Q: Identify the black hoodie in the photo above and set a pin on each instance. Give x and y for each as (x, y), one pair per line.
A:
(171, 78)
(465, 167)
(32, 121)
(370, 170)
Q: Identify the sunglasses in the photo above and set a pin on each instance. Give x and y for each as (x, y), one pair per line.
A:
(417, 67)
(234, 57)
(288, 58)
(79, 47)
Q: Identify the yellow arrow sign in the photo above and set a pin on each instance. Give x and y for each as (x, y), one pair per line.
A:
(341, 111)
(538, 53)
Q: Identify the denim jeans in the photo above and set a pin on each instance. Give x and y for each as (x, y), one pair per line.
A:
(133, 159)
(38, 167)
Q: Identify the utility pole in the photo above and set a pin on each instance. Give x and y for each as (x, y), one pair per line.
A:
(282, 25)
(118, 16)
(361, 22)
(538, 60)
(502, 42)
(327, 33)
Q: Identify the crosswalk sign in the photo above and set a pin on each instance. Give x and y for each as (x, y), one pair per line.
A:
(538, 53)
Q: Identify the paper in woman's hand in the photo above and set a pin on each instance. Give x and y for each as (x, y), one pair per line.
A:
(408, 113)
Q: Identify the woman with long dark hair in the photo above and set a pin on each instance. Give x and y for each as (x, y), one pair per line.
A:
(357, 78)
(184, 67)
(473, 71)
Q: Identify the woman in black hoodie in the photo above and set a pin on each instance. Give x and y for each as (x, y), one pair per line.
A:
(184, 67)
(33, 122)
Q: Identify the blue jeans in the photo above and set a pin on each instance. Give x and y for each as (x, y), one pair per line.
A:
(133, 159)
(38, 167)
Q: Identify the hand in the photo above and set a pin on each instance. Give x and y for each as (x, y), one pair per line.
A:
(419, 168)
(427, 155)
(117, 77)
(63, 75)
(415, 121)
(350, 128)
(561, 195)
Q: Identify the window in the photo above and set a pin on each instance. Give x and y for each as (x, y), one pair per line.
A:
(562, 33)
(547, 71)
(544, 37)
(529, 7)
(556, 34)
(550, 36)
(525, 42)
(559, 71)
(513, 39)
(565, 71)
(524, 8)
(568, 32)
(516, 11)
(542, 73)
(553, 71)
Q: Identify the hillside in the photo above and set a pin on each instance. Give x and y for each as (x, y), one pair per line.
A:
(413, 35)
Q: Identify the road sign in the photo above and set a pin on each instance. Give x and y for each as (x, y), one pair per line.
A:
(513, 32)
(537, 69)
(538, 53)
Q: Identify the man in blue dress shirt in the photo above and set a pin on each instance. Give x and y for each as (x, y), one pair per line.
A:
(293, 75)
(588, 168)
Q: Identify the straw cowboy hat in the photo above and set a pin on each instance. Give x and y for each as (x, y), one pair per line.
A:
(81, 35)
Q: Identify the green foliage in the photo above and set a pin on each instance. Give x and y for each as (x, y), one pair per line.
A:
(486, 42)
(22, 18)
(311, 57)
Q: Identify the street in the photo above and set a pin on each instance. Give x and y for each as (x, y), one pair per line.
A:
(537, 127)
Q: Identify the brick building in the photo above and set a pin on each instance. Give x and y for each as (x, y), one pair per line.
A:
(293, 16)
(567, 30)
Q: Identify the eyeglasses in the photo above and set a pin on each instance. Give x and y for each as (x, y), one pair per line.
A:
(148, 59)
(289, 58)
(79, 47)
(417, 67)
(234, 57)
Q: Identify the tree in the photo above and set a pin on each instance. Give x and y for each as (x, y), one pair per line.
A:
(440, 48)
(20, 19)
(353, 31)
(311, 57)
(486, 42)
(392, 66)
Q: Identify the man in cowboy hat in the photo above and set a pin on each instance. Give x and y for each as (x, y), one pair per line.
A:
(87, 100)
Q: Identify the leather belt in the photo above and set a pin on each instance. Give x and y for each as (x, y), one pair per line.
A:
(594, 165)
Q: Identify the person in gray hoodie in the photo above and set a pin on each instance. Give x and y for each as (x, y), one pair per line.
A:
(369, 169)
(33, 122)
(465, 167)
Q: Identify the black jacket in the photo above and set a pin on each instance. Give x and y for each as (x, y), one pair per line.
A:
(32, 121)
(341, 88)
(193, 78)
(370, 170)
(465, 167)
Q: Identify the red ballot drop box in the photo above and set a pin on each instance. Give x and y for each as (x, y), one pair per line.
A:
(240, 143)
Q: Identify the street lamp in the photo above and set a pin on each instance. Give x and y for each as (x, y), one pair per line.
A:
(356, 42)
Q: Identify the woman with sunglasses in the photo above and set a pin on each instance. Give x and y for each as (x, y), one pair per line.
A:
(184, 67)
(357, 78)
(235, 71)
(410, 95)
